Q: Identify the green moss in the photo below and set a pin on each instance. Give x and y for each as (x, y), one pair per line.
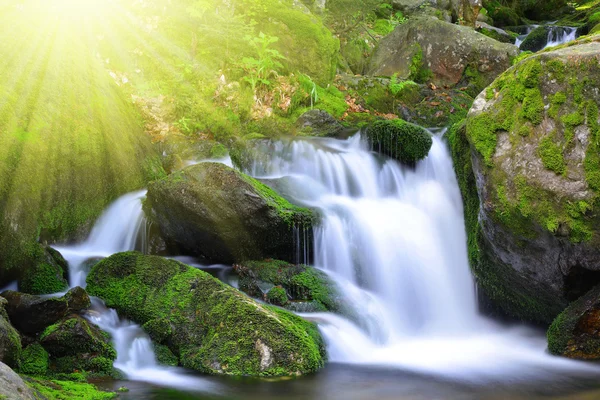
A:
(44, 278)
(34, 360)
(530, 73)
(399, 139)
(66, 390)
(533, 106)
(419, 72)
(290, 213)
(159, 329)
(215, 328)
(277, 296)
(165, 356)
(383, 27)
(482, 133)
(552, 155)
(301, 282)
(556, 103)
(571, 121)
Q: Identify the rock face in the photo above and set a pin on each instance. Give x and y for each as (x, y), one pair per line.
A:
(536, 40)
(10, 341)
(447, 50)
(12, 386)
(32, 314)
(217, 212)
(575, 333)
(534, 135)
(210, 326)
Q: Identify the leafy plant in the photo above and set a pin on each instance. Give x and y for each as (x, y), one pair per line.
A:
(260, 69)
(396, 85)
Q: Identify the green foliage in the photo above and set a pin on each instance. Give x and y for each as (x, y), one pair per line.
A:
(266, 63)
(399, 139)
(34, 360)
(165, 356)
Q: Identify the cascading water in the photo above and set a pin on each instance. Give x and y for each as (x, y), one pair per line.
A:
(394, 240)
(115, 231)
(557, 35)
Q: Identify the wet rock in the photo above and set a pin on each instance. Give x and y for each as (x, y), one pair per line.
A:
(219, 213)
(318, 123)
(32, 314)
(47, 273)
(575, 333)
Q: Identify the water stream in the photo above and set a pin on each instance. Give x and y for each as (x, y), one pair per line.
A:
(119, 229)
(557, 35)
(394, 239)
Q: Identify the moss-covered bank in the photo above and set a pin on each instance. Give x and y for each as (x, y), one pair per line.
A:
(210, 326)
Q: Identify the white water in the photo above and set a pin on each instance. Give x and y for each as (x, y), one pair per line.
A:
(394, 239)
(118, 230)
(556, 36)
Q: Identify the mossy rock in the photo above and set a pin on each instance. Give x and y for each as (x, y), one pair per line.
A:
(32, 314)
(533, 135)
(574, 332)
(215, 328)
(165, 356)
(224, 215)
(10, 340)
(73, 336)
(406, 142)
(34, 360)
(536, 40)
(48, 274)
(301, 282)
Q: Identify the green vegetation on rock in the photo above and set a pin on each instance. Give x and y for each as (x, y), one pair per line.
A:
(34, 360)
(66, 390)
(216, 329)
(399, 139)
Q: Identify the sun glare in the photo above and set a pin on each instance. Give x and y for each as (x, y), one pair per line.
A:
(74, 9)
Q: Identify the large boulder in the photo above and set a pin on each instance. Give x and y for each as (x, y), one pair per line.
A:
(217, 212)
(12, 386)
(406, 142)
(534, 135)
(575, 333)
(426, 48)
(210, 326)
(10, 341)
(32, 314)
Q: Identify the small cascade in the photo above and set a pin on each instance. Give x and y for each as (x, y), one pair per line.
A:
(557, 35)
(115, 231)
(560, 35)
(393, 239)
(123, 227)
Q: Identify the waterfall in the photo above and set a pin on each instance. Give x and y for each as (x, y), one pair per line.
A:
(393, 239)
(119, 229)
(557, 35)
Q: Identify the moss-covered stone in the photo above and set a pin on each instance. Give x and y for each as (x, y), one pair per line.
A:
(277, 296)
(34, 360)
(536, 40)
(224, 215)
(573, 333)
(48, 274)
(301, 282)
(532, 132)
(10, 340)
(406, 142)
(165, 356)
(216, 329)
